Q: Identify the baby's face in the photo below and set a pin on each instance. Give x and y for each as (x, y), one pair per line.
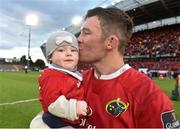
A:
(65, 56)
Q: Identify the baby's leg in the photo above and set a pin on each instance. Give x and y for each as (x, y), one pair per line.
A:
(37, 122)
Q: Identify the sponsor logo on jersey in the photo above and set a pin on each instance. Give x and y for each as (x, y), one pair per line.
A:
(116, 107)
(169, 120)
(84, 123)
(89, 111)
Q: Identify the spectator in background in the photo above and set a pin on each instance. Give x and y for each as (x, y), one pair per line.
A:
(26, 69)
(175, 92)
(149, 74)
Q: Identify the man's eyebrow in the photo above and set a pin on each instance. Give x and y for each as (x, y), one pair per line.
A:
(85, 29)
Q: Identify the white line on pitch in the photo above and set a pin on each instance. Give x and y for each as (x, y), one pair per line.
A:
(17, 102)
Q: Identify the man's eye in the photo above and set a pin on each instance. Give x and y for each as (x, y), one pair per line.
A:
(86, 32)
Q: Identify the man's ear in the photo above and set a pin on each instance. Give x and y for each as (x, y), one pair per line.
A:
(112, 42)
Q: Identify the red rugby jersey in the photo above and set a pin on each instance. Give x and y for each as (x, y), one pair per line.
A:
(126, 99)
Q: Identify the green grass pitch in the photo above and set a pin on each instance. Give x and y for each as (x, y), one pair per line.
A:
(21, 86)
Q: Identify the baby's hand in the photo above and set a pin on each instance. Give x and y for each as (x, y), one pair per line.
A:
(81, 108)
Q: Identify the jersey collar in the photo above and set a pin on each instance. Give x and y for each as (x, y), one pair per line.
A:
(75, 74)
(113, 75)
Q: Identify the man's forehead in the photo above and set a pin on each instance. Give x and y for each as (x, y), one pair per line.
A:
(91, 22)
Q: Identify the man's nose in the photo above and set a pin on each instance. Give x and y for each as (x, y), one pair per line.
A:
(79, 38)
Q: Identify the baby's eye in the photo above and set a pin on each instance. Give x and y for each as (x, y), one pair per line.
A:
(60, 50)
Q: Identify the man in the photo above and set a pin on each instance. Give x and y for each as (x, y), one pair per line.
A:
(118, 95)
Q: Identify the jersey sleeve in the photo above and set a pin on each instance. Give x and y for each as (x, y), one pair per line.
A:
(156, 112)
(50, 90)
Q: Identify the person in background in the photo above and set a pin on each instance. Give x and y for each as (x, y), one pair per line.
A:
(149, 73)
(119, 95)
(26, 69)
(60, 91)
(175, 92)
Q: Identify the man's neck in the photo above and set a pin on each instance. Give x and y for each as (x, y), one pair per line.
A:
(107, 66)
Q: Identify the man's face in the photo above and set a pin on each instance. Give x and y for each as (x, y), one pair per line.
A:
(91, 44)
